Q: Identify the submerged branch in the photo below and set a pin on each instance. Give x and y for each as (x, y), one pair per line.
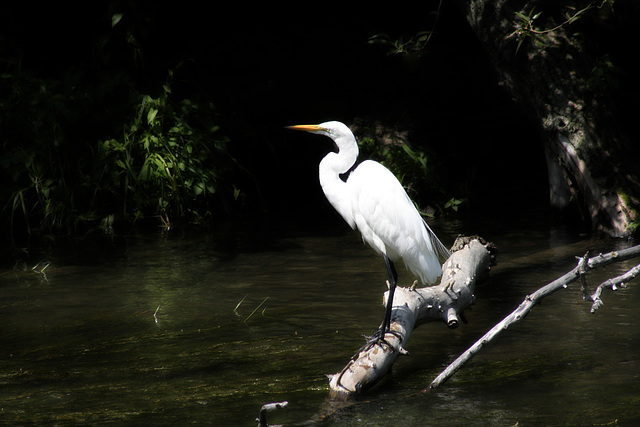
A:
(523, 309)
(262, 417)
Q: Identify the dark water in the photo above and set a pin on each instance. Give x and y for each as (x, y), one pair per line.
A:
(148, 329)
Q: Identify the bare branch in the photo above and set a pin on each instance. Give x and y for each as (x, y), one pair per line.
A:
(613, 284)
(530, 300)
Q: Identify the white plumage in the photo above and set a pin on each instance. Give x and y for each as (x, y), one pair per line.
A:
(373, 201)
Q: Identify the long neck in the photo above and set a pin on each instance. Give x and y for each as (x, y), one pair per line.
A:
(334, 164)
(336, 190)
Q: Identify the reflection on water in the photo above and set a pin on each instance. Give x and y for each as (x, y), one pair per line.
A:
(205, 328)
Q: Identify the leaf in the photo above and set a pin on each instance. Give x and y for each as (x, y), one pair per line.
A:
(144, 171)
(115, 18)
(199, 188)
(419, 158)
(522, 16)
(151, 115)
(159, 162)
(453, 204)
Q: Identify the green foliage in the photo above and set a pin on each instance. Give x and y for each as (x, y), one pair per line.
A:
(404, 45)
(83, 146)
(401, 46)
(39, 166)
(170, 160)
(453, 204)
(526, 25)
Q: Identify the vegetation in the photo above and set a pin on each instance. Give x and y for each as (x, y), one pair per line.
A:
(170, 161)
(134, 112)
(526, 22)
(87, 144)
(109, 133)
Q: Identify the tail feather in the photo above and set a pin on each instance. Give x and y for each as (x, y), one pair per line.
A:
(439, 248)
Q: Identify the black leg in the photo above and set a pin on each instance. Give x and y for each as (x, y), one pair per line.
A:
(378, 336)
(393, 280)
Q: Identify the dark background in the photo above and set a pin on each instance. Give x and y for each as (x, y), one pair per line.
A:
(264, 68)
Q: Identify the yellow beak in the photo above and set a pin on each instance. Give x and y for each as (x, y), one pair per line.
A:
(307, 128)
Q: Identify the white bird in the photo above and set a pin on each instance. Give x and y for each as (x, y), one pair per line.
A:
(373, 201)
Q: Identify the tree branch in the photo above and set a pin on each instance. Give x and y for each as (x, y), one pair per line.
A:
(614, 283)
(412, 307)
(523, 309)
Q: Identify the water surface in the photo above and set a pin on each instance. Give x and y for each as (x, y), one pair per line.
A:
(203, 328)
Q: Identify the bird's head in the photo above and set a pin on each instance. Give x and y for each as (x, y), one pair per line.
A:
(334, 130)
(345, 142)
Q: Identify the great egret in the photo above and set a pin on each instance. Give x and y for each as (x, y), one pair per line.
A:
(373, 201)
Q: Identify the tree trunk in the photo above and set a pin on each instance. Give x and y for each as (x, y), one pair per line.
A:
(549, 71)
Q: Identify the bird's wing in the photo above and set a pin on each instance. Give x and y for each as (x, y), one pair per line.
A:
(390, 222)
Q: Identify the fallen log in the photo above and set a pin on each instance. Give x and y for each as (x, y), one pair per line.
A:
(470, 261)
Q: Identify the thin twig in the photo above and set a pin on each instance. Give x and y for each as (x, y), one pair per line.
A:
(41, 270)
(235, 310)
(569, 20)
(433, 29)
(155, 315)
(256, 309)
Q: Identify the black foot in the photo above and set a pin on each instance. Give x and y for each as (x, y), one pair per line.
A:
(377, 338)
